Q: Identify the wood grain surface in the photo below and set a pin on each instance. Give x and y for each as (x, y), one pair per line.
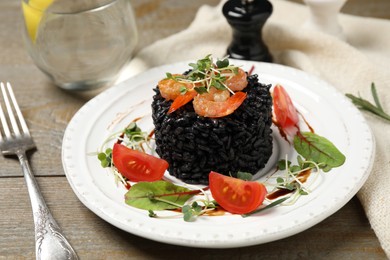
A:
(345, 235)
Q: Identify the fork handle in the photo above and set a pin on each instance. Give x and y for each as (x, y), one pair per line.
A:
(50, 243)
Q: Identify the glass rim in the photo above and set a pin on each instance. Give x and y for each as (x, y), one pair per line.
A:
(93, 7)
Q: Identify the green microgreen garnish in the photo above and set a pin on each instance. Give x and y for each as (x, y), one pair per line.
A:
(201, 90)
(222, 63)
(315, 153)
(105, 158)
(294, 177)
(133, 137)
(207, 74)
(191, 212)
(246, 176)
(368, 106)
(134, 133)
(183, 90)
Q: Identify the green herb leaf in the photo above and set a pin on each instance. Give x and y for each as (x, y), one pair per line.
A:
(295, 168)
(152, 214)
(318, 149)
(303, 192)
(102, 156)
(375, 96)
(193, 65)
(205, 74)
(183, 90)
(105, 158)
(133, 132)
(200, 90)
(222, 63)
(366, 105)
(169, 75)
(187, 213)
(190, 212)
(246, 176)
(217, 84)
(282, 164)
(158, 195)
(291, 186)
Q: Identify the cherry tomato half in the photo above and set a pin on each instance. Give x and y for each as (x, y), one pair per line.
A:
(235, 195)
(285, 112)
(136, 165)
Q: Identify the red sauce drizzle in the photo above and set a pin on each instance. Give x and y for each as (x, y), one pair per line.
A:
(307, 123)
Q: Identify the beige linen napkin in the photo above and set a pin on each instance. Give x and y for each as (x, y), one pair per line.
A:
(349, 66)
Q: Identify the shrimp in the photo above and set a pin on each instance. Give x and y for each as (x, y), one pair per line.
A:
(217, 103)
(285, 113)
(170, 88)
(236, 82)
(182, 100)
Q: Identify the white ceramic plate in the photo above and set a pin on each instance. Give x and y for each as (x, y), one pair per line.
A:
(327, 111)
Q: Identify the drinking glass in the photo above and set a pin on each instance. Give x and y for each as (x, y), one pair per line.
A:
(80, 45)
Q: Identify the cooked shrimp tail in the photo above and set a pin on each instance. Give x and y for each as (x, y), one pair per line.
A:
(211, 104)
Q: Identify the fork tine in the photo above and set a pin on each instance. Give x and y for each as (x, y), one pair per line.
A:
(2, 117)
(11, 115)
(17, 109)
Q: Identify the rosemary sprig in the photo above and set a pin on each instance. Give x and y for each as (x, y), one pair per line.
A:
(368, 106)
(273, 204)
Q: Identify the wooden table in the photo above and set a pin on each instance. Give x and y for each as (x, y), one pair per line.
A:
(345, 235)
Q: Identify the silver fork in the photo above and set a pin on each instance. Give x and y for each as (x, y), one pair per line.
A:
(50, 243)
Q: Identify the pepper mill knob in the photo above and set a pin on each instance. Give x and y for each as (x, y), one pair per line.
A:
(247, 19)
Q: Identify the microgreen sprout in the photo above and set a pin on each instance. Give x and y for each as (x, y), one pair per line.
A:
(133, 137)
(205, 74)
(294, 178)
(105, 158)
(183, 90)
(193, 210)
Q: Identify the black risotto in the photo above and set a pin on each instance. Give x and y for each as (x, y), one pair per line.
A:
(194, 145)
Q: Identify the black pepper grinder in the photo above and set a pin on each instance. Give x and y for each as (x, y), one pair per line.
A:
(247, 18)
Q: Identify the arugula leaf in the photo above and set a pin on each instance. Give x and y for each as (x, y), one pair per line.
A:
(158, 195)
(319, 150)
